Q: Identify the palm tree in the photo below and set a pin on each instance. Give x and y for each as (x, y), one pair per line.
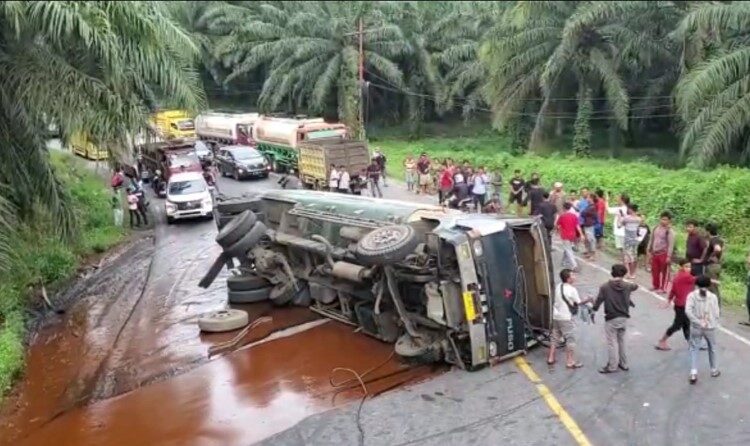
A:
(309, 51)
(544, 49)
(713, 97)
(94, 66)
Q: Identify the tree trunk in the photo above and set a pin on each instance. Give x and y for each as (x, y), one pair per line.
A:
(582, 137)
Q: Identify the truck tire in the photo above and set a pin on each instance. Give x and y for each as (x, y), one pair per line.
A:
(223, 320)
(249, 296)
(235, 206)
(388, 244)
(236, 228)
(248, 241)
(213, 271)
(282, 294)
(247, 282)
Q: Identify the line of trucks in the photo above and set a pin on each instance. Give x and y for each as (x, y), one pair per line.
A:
(299, 144)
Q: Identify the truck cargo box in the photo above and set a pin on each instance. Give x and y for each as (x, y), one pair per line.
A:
(315, 159)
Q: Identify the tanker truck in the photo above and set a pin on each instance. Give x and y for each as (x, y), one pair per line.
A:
(225, 129)
(279, 138)
(467, 289)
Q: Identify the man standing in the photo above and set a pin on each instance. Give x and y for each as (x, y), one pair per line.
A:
(694, 248)
(588, 221)
(479, 189)
(517, 185)
(380, 158)
(712, 258)
(373, 177)
(563, 328)
(619, 211)
(410, 169)
(569, 230)
(423, 169)
(601, 211)
(630, 224)
(557, 197)
(615, 295)
(333, 179)
(548, 212)
(344, 180)
(661, 248)
(535, 196)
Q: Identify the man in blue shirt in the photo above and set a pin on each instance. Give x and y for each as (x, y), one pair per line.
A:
(582, 203)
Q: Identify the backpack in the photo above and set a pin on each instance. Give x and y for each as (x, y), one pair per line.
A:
(574, 307)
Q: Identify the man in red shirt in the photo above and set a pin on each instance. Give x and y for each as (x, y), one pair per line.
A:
(601, 210)
(569, 230)
(682, 284)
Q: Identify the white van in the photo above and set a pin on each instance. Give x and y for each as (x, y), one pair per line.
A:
(188, 196)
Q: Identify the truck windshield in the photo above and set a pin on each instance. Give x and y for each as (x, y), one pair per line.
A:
(186, 124)
(187, 187)
(245, 154)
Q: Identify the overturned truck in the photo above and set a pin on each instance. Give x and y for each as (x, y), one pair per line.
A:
(441, 285)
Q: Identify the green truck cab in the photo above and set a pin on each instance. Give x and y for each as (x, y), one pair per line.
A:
(467, 289)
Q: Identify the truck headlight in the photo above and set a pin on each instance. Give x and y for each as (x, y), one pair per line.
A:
(477, 246)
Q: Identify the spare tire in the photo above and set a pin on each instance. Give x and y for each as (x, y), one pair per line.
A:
(247, 282)
(223, 320)
(235, 229)
(249, 296)
(248, 241)
(388, 244)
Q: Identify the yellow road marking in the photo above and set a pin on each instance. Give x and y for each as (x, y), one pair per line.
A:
(549, 398)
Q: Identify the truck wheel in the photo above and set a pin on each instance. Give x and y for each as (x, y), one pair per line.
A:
(248, 241)
(249, 296)
(235, 229)
(223, 320)
(388, 244)
(247, 282)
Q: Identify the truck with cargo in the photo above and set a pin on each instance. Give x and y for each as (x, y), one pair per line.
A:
(316, 157)
(173, 124)
(82, 145)
(165, 158)
(279, 138)
(224, 129)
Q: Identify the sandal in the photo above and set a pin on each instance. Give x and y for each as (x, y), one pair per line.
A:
(577, 365)
(715, 373)
(664, 349)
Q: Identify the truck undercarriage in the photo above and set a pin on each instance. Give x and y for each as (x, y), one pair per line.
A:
(441, 286)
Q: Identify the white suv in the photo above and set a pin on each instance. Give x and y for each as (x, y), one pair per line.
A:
(188, 196)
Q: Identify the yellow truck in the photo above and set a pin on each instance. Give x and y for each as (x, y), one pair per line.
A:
(316, 157)
(83, 146)
(173, 124)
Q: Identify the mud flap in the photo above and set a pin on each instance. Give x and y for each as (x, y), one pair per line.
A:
(214, 271)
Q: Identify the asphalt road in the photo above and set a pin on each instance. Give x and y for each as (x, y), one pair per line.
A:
(652, 404)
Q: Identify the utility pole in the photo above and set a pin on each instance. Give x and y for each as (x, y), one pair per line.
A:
(362, 133)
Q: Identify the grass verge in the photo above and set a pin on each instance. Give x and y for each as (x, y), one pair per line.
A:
(41, 257)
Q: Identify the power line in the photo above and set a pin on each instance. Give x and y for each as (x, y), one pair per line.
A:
(571, 116)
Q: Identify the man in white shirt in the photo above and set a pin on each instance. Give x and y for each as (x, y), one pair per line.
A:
(333, 179)
(620, 211)
(344, 180)
(563, 327)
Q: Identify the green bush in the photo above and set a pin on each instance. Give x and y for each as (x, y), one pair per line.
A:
(719, 195)
(41, 256)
